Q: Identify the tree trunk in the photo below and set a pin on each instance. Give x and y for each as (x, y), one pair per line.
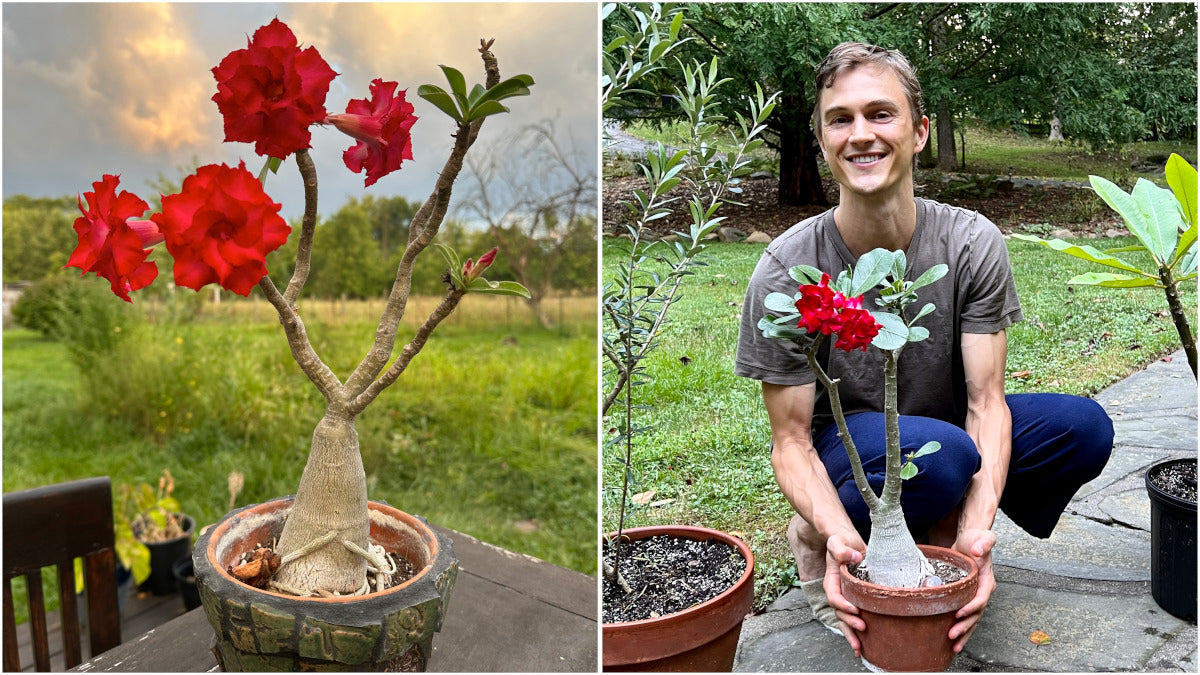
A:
(925, 158)
(1056, 129)
(799, 178)
(945, 137)
(332, 497)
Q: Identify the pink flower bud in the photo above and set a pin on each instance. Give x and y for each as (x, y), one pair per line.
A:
(473, 270)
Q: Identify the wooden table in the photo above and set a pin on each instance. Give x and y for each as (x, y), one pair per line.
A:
(508, 613)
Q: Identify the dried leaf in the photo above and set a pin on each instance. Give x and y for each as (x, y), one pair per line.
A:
(1021, 374)
(643, 498)
(526, 526)
(661, 502)
(1038, 637)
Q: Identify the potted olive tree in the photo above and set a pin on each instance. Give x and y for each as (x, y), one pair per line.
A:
(324, 578)
(907, 594)
(685, 622)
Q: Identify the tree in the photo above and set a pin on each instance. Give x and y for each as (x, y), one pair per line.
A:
(535, 216)
(38, 236)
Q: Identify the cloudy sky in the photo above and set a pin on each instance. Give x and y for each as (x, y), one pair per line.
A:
(103, 88)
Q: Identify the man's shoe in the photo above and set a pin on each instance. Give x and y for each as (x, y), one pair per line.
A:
(814, 591)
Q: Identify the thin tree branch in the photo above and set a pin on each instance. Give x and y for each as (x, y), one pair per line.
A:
(309, 225)
(302, 351)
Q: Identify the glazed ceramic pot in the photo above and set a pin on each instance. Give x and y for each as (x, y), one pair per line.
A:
(259, 630)
(908, 629)
(1172, 547)
(700, 638)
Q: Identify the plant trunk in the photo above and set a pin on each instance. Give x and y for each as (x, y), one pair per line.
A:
(893, 558)
(1179, 316)
(332, 497)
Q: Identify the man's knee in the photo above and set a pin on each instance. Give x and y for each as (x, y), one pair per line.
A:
(1072, 424)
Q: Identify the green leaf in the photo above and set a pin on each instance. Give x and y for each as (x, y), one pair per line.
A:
(929, 307)
(1181, 176)
(1161, 212)
(929, 276)
(1084, 252)
(871, 269)
(927, 449)
(458, 83)
(770, 329)
(518, 85)
(482, 285)
(452, 262)
(917, 333)
(893, 334)
(438, 97)
(1110, 280)
(484, 109)
(908, 471)
(805, 274)
(780, 302)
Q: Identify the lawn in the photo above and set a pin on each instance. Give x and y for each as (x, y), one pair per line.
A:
(707, 458)
(491, 431)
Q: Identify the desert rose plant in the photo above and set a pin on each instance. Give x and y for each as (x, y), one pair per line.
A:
(822, 310)
(1164, 221)
(221, 225)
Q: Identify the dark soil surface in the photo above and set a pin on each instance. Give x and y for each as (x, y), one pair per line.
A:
(943, 570)
(1076, 209)
(668, 575)
(1177, 479)
(262, 575)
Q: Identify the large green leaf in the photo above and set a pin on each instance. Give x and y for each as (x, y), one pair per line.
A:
(1163, 217)
(871, 268)
(458, 83)
(482, 285)
(805, 274)
(1084, 252)
(929, 276)
(893, 334)
(1127, 206)
(444, 102)
(517, 85)
(780, 302)
(770, 329)
(1181, 176)
(1110, 280)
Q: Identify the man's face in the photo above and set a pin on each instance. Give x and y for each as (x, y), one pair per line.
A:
(867, 132)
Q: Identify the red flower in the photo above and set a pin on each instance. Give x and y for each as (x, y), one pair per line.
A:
(220, 228)
(381, 126)
(823, 310)
(270, 92)
(472, 270)
(110, 244)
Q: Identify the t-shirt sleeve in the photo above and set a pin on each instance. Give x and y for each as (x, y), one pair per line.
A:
(770, 360)
(991, 303)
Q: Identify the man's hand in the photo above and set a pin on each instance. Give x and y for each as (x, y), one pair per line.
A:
(838, 551)
(978, 544)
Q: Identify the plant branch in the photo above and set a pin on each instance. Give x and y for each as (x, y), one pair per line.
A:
(1179, 316)
(891, 424)
(309, 225)
(423, 227)
(302, 351)
(444, 309)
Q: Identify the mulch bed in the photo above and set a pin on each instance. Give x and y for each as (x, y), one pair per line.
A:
(667, 575)
(761, 212)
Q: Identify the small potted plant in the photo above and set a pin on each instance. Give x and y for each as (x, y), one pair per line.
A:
(325, 578)
(157, 522)
(1172, 489)
(906, 594)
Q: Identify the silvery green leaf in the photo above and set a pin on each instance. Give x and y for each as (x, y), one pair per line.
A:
(917, 333)
(927, 449)
(893, 334)
(780, 302)
(871, 269)
(908, 471)
(805, 274)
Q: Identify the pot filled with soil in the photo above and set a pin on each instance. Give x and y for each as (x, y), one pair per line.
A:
(164, 553)
(265, 629)
(1172, 489)
(908, 628)
(684, 610)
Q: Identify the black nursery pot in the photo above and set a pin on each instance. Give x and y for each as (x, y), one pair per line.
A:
(185, 577)
(163, 555)
(1172, 547)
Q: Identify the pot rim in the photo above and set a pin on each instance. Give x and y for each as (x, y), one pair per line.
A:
(284, 504)
(703, 533)
(1161, 495)
(942, 593)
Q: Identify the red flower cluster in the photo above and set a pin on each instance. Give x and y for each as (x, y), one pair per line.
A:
(823, 310)
(111, 244)
(220, 228)
(270, 92)
(381, 126)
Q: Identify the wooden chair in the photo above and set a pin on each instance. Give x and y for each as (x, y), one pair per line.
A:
(53, 525)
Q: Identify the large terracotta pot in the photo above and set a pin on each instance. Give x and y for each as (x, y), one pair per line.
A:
(259, 630)
(700, 638)
(908, 629)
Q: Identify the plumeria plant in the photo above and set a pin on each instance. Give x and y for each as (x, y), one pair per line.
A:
(221, 225)
(822, 310)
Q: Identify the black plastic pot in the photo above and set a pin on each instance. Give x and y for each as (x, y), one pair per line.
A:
(185, 577)
(1172, 547)
(163, 555)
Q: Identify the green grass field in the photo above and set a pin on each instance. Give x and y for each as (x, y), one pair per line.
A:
(491, 431)
(708, 449)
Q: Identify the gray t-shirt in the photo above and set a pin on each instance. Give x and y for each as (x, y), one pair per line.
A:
(977, 295)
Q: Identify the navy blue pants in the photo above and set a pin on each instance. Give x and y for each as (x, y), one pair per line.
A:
(1059, 443)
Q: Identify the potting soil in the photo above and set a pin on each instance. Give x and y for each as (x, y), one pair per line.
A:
(1178, 480)
(942, 570)
(667, 575)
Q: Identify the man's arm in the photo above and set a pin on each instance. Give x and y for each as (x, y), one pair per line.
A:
(989, 424)
(805, 483)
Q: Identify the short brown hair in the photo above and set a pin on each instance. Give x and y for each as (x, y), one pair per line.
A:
(850, 55)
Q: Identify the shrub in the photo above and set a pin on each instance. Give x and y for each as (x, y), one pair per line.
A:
(37, 308)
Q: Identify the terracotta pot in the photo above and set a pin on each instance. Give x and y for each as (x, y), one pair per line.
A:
(700, 638)
(1172, 547)
(259, 630)
(908, 628)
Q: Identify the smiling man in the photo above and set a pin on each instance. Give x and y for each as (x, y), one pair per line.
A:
(1025, 454)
